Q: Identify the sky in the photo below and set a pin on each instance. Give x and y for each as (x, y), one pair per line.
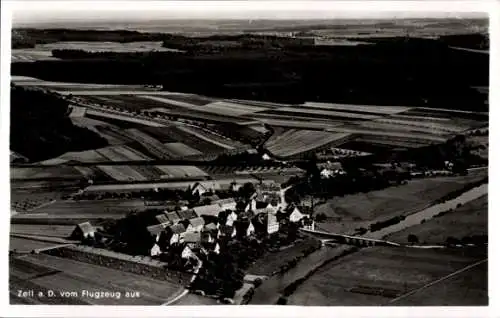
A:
(33, 12)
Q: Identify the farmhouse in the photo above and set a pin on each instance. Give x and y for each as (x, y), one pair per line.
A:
(186, 214)
(296, 215)
(212, 209)
(272, 223)
(195, 224)
(176, 231)
(162, 218)
(173, 217)
(226, 231)
(205, 186)
(156, 230)
(226, 204)
(187, 253)
(231, 218)
(192, 239)
(83, 231)
(206, 237)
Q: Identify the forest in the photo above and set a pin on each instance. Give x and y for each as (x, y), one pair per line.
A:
(389, 71)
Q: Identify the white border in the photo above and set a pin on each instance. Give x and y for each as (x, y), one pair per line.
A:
(426, 8)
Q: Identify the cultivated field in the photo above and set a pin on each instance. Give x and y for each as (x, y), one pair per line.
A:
(467, 220)
(374, 276)
(97, 208)
(294, 141)
(60, 274)
(62, 231)
(344, 214)
(23, 245)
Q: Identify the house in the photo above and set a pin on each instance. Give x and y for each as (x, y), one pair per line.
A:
(173, 217)
(226, 231)
(192, 239)
(226, 204)
(195, 224)
(162, 218)
(296, 216)
(187, 253)
(272, 223)
(231, 218)
(176, 231)
(187, 214)
(83, 231)
(204, 187)
(211, 227)
(156, 230)
(309, 224)
(206, 237)
(234, 187)
(212, 209)
(217, 248)
(155, 250)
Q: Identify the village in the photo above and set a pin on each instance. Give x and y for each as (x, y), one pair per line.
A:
(193, 232)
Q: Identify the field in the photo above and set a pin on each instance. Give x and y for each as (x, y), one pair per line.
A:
(23, 245)
(59, 274)
(61, 231)
(99, 208)
(344, 214)
(294, 141)
(374, 276)
(467, 220)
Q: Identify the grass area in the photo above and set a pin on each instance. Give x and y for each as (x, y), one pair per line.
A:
(467, 220)
(451, 292)
(272, 261)
(374, 276)
(100, 208)
(69, 275)
(344, 214)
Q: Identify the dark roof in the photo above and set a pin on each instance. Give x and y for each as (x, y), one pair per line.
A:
(86, 227)
(162, 218)
(192, 237)
(186, 214)
(177, 228)
(225, 229)
(197, 221)
(155, 229)
(261, 205)
(173, 217)
(212, 209)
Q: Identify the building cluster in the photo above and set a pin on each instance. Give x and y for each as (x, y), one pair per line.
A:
(201, 229)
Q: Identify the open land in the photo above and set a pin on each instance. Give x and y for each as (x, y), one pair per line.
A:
(60, 274)
(345, 214)
(376, 275)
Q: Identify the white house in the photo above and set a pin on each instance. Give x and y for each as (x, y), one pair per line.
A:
(231, 218)
(272, 223)
(187, 253)
(217, 248)
(296, 216)
(155, 250)
(250, 229)
(176, 230)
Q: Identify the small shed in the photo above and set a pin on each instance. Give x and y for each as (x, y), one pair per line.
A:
(83, 231)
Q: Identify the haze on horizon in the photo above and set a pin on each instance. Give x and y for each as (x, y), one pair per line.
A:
(33, 15)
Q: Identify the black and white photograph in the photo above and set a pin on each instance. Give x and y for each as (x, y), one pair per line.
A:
(221, 156)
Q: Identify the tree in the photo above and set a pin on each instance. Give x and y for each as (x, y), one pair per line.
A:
(412, 239)
(247, 190)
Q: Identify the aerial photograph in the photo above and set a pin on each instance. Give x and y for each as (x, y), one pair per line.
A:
(231, 160)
